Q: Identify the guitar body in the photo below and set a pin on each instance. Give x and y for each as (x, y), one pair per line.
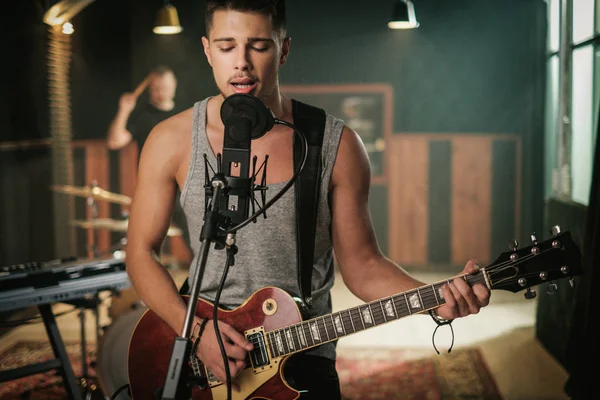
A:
(151, 346)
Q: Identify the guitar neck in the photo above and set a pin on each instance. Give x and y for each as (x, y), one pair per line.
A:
(317, 331)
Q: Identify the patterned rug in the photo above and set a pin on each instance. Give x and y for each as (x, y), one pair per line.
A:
(365, 374)
(47, 385)
(369, 374)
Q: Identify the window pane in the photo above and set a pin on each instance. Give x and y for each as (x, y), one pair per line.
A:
(582, 122)
(551, 125)
(596, 96)
(553, 7)
(597, 16)
(583, 20)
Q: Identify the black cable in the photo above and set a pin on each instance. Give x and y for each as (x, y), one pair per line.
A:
(230, 253)
(119, 390)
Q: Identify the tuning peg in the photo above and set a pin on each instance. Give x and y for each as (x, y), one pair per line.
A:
(551, 288)
(513, 245)
(534, 238)
(530, 294)
(555, 230)
(572, 282)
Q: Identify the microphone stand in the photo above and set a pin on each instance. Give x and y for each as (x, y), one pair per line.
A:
(221, 228)
(176, 387)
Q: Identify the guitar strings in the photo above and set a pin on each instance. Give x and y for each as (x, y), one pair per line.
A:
(378, 314)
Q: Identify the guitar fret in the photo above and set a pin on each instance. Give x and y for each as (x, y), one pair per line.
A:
(375, 313)
(380, 318)
(329, 323)
(322, 328)
(421, 299)
(389, 310)
(271, 346)
(400, 306)
(407, 305)
(359, 318)
(383, 312)
(313, 328)
(350, 319)
(290, 340)
(366, 316)
(279, 344)
(392, 300)
(301, 337)
(429, 300)
(328, 331)
(307, 334)
(281, 334)
(434, 290)
(338, 323)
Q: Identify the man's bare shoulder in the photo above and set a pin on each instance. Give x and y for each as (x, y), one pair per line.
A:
(170, 139)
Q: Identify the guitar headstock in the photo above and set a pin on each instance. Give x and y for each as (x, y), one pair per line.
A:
(542, 262)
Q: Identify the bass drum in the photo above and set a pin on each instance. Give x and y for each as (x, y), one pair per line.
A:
(113, 351)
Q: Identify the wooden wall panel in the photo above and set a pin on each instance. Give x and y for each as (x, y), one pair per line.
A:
(471, 199)
(407, 204)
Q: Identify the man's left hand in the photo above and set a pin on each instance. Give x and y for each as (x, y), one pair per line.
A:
(462, 299)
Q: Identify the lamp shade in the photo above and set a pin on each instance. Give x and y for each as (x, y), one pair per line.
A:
(404, 16)
(167, 21)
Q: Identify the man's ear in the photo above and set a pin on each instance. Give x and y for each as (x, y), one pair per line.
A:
(285, 50)
(206, 45)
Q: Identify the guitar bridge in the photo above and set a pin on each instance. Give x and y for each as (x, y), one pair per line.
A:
(259, 356)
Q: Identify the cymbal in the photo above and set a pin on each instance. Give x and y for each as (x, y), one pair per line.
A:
(96, 192)
(116, 225)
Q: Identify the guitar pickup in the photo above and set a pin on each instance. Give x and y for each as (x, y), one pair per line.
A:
(259, 356)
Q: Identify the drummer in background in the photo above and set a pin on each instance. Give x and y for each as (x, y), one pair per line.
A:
(134, 121)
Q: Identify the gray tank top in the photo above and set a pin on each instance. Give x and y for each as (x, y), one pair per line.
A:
(266, 249)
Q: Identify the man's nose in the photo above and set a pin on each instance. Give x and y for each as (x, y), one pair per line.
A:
(242, 61)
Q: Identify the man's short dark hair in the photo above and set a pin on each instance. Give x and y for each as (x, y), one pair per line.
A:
(271, 8)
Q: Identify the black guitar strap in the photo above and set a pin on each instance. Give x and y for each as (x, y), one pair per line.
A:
(310, 120)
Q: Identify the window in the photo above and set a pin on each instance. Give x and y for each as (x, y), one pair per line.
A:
(583, 20)
(584, 97)
(596, 108)
(553, 7)
(551, 124)
(581, 123)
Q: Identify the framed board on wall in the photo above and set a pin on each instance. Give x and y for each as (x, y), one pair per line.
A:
(365, 108)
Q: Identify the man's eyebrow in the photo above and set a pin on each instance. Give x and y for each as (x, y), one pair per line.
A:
(252, 39)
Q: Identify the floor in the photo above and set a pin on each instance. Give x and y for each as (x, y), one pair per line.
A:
(504, 331)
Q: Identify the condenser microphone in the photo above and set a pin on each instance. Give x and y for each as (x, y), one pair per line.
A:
(245, 118)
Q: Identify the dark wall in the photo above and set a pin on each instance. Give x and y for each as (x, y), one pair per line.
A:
(473, 66)
(100, 70)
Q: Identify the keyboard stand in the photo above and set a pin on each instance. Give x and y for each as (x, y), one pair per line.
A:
(60, 363)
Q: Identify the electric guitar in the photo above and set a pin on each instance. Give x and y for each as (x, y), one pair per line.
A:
(271, 320)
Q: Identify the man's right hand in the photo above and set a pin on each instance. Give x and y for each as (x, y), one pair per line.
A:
(127, 102)
(236, 347)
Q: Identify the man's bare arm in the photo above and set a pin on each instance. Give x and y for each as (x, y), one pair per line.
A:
(149, 220)
(366, 271)
(118, 136)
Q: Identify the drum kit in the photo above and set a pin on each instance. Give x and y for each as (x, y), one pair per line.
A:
(125, 308)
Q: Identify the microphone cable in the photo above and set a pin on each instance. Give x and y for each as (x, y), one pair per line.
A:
(231, 251)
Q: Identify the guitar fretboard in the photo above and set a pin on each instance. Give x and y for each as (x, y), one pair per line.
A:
(330, 327)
